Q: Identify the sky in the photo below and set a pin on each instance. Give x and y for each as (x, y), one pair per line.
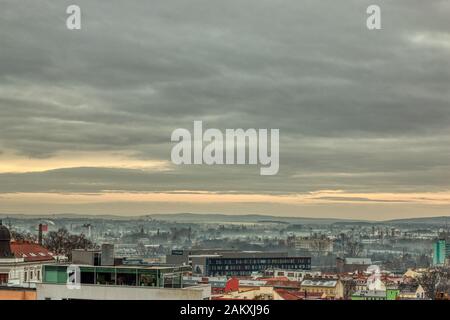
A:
(86, 115)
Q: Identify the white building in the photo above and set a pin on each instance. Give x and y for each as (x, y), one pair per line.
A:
(51, 291)
(21, 262)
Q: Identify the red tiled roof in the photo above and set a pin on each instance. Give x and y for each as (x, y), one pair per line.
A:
(274, 279)
(283, 284)
(30, 251)
(290, 294)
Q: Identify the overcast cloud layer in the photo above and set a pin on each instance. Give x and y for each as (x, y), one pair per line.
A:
(359, 112)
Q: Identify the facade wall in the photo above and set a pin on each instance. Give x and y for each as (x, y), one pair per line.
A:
(84, 257)
(355, 267)
(107, 257)
(25, 274)
(21, 273)
(124, 276)
(336, 291)
(9, 294)
(178, 257)
(245, 266)
(312, 244)
(99, 292)
(439, 252)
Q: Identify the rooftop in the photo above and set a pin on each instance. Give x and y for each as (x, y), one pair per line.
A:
(319, 283)
(367, 261)
(31, 251)
(370, 293)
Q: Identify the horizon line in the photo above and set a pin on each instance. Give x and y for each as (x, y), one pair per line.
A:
(93, 215)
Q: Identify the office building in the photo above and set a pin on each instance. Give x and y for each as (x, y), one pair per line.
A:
(244, 263)
(440, 252)
(122, 275)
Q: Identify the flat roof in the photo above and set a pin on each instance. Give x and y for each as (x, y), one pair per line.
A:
(205, 255)
(119, 266)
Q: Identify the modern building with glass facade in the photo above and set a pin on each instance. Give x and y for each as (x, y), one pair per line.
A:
(440, 252)
(143, 276)
(246, 263)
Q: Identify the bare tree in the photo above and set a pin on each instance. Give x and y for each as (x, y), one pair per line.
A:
(318, 245)
(435, 281)
(349, 287)
(354, 248)
(17, 236)
(61, 242)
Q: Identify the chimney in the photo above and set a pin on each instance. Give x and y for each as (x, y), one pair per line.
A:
(40, 234)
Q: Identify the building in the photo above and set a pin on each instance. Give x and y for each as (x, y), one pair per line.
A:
(314, 244)
(360, 283)
(95, 275)
(121, 275)
(17, 293)
(411, 292)
(369, 295)
(218, 262)
(292, 275)
(394, 292)
(86, 256)
(282, 283)
(327, 288)
(441, 250)
(183, 257)
(219, 285)
(283, 294)
(6, 256)
(21, 262)
(248, 293)
(60, 291)
(412, 274)
(94, 257)
(245, 263)
(352, 264)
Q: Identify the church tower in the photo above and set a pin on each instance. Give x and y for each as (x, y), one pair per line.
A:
(5, 242)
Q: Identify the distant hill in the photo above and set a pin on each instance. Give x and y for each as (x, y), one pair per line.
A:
(230, 218)
(248, 218)
(66, 216)
(189, 217)
(427, 220)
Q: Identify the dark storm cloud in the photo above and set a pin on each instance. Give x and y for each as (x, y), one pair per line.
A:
(357, 110)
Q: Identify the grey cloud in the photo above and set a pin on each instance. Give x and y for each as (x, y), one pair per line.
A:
(360, 199)
(345, 99)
